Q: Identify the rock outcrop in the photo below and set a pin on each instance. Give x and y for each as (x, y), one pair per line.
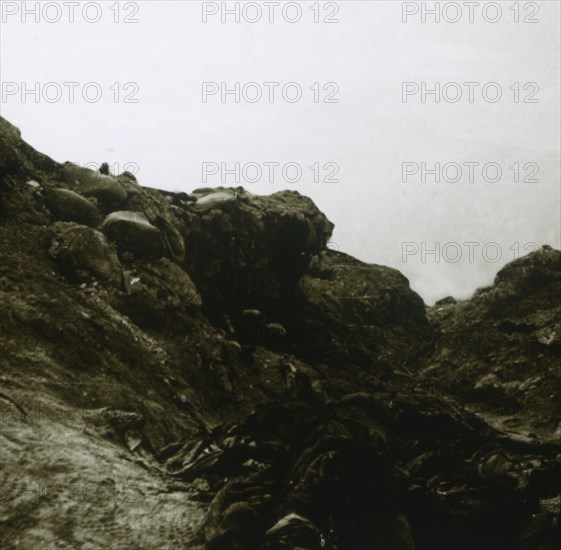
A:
(247, 250)
(500, 351)
(200, 370)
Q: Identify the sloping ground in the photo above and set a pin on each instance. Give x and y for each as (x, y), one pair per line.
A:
(65, 486)
(197, 370)
(500, 351)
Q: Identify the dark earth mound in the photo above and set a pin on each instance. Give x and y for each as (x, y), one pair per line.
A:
(202, 371)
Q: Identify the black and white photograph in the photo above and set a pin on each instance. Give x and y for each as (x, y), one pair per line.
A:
(280, 275)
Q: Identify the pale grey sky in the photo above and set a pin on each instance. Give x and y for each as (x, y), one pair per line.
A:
(369, 133)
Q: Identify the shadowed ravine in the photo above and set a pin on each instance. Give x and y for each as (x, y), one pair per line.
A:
(202, 371)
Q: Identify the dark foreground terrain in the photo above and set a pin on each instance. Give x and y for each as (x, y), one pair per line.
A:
(202, 371)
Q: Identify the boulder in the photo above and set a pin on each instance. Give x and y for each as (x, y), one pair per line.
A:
(170, 287)
(156, 206)
(133, 233)
(67, 205)
(247, 249)
(159, 294)
(82, 251)
(214, 200)
(89, 182)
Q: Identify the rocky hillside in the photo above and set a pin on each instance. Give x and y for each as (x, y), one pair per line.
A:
(201, 371)
(501, 351)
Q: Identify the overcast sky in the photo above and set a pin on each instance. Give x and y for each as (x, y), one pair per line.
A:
(369, 133)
